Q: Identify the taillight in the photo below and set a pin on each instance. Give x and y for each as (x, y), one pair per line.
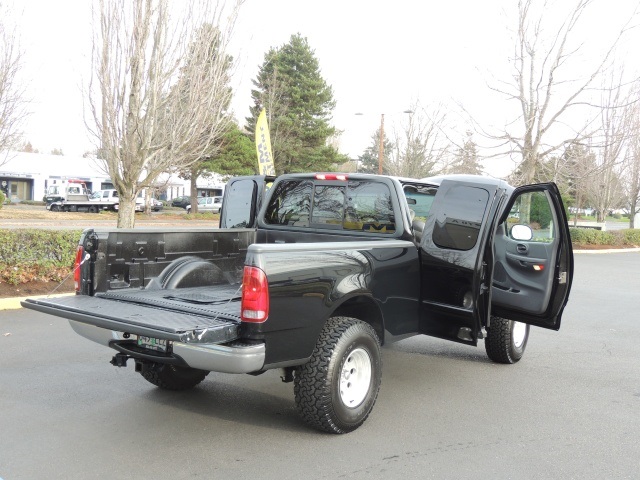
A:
(255, 296)
(332, 176)
(76, 267)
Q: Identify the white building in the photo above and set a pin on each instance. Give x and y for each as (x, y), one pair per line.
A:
(27, 176)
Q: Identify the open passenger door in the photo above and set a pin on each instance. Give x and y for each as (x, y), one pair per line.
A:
(533, 258)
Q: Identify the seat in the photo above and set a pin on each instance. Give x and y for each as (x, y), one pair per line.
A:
(418, 229)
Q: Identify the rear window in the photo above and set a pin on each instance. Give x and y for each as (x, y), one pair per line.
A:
(354, 206)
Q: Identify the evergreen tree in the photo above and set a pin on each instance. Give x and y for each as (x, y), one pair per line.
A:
(236, 155)
(369, 160)
(466, 158)
(299, 103)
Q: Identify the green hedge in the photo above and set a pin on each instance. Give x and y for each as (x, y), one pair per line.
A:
(31, 254)
(616, 238)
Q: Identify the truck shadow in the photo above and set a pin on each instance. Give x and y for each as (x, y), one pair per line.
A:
(434, 347)
(243, 399)
(265, 401)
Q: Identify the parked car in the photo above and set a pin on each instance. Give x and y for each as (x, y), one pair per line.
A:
(181, 202)
(156, 205)
(207, 204)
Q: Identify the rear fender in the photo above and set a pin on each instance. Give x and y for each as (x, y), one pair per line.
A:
(364, 308)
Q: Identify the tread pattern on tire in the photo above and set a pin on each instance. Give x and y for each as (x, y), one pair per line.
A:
(311, 388)
(498, 341)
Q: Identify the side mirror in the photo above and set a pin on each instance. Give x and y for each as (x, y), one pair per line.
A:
(521, 232)
(411, 201)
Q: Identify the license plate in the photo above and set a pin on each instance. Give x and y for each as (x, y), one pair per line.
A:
(156, 344)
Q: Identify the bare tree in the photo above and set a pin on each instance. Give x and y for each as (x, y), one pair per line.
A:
(420, 148)
(13, 102)
(573, 172)
(631, 180)
(158, 95)
(542, 86)
(605, 192)
(631, 165)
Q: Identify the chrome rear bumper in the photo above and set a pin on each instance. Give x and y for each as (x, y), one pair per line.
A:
(223, 358)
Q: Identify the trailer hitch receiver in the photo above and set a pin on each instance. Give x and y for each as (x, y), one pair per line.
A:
(119, 360)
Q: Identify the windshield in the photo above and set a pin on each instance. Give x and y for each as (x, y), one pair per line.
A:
(54, 190)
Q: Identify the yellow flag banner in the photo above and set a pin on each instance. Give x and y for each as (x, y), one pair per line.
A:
(263, 146)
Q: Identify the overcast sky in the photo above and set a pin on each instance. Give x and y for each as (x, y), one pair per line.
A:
(378, 56)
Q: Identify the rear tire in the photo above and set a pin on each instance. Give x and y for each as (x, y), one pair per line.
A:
(336, 389)
(172, 377)
(506, 340)
(93, 209)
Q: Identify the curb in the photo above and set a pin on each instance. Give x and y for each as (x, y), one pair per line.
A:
(610, 250)
(14, 303)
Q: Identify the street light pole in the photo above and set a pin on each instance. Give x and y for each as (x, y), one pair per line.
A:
(381, 145)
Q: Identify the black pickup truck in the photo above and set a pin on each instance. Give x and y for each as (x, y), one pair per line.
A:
(311, 273)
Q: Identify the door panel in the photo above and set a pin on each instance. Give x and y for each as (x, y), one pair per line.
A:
(532, 277)
(453, 290)
(522, 277)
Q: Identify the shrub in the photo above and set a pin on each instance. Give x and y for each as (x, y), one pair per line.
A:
(631, 237)
(3, 197)
(617, 238)
(30, 254)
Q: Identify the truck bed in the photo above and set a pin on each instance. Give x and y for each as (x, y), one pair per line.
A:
(190, 315)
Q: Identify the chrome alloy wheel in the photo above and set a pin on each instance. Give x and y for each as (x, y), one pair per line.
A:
(355, 378)
(518, 333)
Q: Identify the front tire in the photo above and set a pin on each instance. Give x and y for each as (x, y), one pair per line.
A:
(506, 340)
(172, 377)
(336, 389)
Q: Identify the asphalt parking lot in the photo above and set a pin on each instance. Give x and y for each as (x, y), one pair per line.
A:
(569, 409)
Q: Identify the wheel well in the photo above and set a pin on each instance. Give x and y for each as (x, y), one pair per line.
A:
(363, 308)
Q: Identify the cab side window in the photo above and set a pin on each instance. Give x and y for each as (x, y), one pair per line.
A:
(239, 209)
(458, 226)
(533, 210)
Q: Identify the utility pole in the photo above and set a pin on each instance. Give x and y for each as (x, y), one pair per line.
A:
(381, 145)
(381, 140)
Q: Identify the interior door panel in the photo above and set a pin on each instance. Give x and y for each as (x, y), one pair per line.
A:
(532, 275)
(522, 277)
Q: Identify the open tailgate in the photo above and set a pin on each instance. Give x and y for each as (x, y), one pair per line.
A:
(188, 315)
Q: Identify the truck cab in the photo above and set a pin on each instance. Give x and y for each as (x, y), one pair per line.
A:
(67, 190)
